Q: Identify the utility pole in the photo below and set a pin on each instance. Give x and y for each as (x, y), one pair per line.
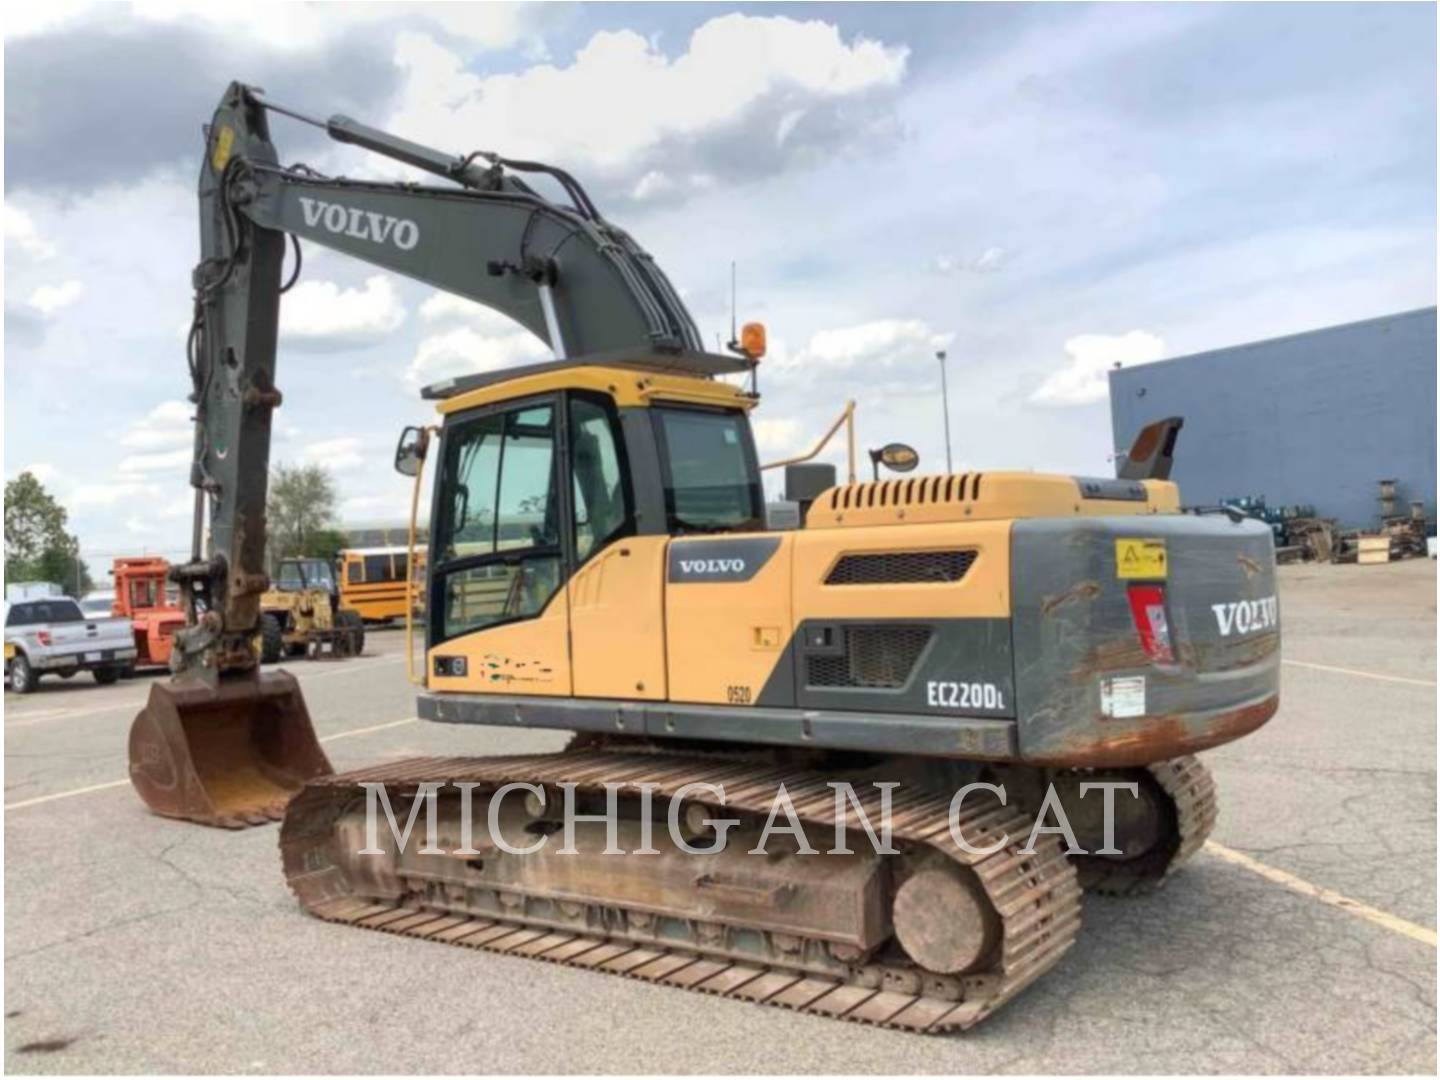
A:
(945, 404)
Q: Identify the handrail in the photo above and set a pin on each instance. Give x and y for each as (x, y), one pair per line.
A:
(847, 417)
(425, 433)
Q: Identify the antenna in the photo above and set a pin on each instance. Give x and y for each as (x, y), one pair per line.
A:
(733, 336)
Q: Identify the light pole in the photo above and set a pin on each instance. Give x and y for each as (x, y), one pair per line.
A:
(945, 404)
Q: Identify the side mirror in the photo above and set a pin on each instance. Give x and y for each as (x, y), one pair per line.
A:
(410, 450)
(897, 457)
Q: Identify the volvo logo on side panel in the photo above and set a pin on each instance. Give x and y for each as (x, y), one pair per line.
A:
(719, 560)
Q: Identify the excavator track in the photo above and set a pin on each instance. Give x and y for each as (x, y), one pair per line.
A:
(1193, 809)
(1031, 902)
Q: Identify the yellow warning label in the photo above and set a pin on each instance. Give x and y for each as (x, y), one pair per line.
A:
(1140, 558)
(224, 143)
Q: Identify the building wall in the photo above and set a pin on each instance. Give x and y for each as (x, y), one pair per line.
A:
(1313, 418)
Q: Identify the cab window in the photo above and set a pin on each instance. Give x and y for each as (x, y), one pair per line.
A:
(498, 538)
(711, 476)
(602, 506)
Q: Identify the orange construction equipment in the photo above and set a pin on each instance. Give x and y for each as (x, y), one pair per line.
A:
(140, 596)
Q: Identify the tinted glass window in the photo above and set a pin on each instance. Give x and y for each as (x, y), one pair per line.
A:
(289, 579)
(528, 512)
(388, 567)
(469, 483)
(601, 510)
(710, 484)
(44, 611)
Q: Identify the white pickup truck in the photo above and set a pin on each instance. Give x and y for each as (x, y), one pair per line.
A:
(52, 636)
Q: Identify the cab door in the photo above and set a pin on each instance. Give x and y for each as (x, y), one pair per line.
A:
(617, 596)
(498, 609)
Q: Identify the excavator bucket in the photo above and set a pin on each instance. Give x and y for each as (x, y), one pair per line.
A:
(229, 756)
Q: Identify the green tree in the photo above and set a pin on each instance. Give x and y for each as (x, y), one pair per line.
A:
(325, 544)
(300, 510)
(37, 546)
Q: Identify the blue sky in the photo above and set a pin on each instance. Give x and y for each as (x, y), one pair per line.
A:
(1041, 190)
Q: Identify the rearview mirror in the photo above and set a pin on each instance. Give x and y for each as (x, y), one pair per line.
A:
(897, 457)
(410, 450)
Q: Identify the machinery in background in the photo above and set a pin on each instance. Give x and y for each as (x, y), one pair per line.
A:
(301, 614)
(379, 584)
(141, 597)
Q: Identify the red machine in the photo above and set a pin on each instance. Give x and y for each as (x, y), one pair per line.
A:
(140, 596)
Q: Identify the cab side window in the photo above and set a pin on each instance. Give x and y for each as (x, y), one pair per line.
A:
(602, 505)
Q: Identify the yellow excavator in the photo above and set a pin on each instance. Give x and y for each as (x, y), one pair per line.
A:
(966, 657)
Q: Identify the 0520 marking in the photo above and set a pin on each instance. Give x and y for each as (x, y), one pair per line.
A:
(737, 695)
(963, 695)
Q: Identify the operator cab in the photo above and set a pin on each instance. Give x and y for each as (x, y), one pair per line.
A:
(296, 575)
(541, 469)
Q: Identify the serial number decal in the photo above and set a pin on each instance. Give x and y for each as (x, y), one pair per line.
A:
(963, 695)
(737, 695)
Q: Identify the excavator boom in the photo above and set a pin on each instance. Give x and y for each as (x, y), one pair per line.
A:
(580, 284)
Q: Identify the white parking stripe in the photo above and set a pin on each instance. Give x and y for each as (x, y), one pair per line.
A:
(30, 719)
(64, 794)
(1359, 674)
(1393, 923)
(20, 805)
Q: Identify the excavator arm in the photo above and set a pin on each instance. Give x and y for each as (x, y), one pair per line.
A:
(221, 743)
(560, 270)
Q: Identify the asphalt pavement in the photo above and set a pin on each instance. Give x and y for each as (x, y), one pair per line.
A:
(1302, 940)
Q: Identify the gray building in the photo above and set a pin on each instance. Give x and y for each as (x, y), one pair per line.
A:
(1315, 418)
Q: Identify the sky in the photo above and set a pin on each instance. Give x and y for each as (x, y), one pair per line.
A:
(1042, 191)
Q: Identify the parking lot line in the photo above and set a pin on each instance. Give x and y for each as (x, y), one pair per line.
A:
(23, 803)
(64, 794)
(1393, 923)
(1359, 674)
(40, 716)
(368, 730)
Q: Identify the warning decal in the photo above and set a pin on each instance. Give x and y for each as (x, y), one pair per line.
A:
(1140, 558)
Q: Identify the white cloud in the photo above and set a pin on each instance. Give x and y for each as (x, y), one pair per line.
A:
(112, 493)
(987, 262)
(48, 299)
(44, 472)
(777, 433)
(321, 315)
(156, 462)
(478, 339)
(879, 345)
(1084, 380)
(623, 108)
(447, 307)
(337, 454)
(20, 231)
(465, 350)
(167, 425)
(291, 26)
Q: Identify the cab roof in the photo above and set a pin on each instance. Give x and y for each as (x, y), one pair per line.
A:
(631, 379)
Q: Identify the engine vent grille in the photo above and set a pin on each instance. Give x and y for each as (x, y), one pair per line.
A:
(874, 658)
(900, 567)
(914, 491)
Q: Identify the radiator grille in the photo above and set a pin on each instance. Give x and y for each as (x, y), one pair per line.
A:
(874, 657)
(899, 567)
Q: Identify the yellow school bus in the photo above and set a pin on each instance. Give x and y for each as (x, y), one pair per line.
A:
(375, 582)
